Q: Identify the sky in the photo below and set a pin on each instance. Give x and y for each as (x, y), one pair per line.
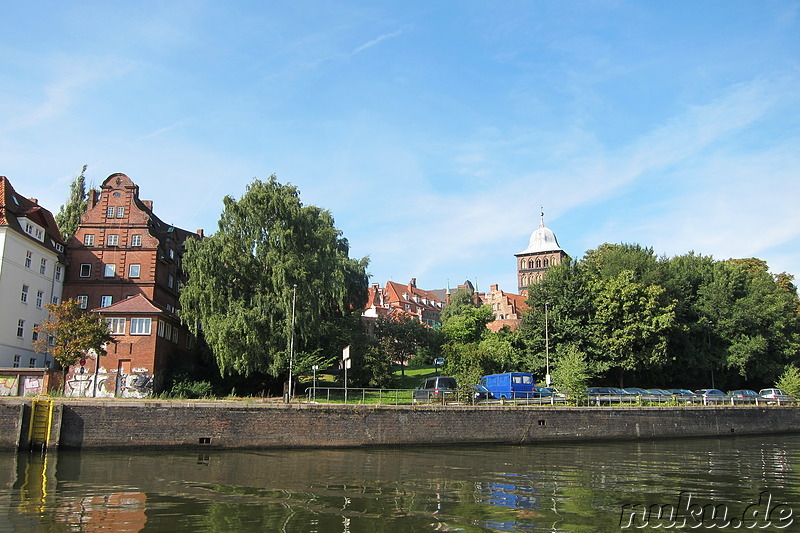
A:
(435, 132)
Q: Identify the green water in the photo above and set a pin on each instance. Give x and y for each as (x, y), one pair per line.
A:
(559, 487)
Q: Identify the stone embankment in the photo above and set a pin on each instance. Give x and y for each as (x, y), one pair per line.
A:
(106, 424)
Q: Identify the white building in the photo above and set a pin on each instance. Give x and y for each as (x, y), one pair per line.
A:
(32, 269)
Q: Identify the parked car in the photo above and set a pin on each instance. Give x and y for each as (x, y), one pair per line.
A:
(683, 395)
(437, 389)
(744, 396)
(480, 393)
(554, 392)
(635, 391)
(608, 395)
(775, 396)
(712, 396)
(659, 395)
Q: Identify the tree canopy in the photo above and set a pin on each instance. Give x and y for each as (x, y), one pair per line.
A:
(69, 215)
(687, 320)
(269, 250)
(70, 332)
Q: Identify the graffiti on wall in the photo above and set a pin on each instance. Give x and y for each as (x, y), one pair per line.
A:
(9, 385)
(137, 384)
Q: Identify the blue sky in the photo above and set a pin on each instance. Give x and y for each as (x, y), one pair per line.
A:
(434, 131)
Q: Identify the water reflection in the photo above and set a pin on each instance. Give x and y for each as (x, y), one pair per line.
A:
(568, 487)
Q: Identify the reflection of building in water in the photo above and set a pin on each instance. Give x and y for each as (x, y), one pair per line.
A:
(41, 501)
(118, 512)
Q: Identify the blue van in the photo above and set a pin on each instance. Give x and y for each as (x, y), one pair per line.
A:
(512, 385)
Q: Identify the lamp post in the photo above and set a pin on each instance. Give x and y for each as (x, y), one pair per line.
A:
(708, 344)
(547, 344)
(314, 382)
(291, 343)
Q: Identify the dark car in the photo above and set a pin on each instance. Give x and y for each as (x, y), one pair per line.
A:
(480, 393)
(608, 395)
(744, 396)
(436, 389)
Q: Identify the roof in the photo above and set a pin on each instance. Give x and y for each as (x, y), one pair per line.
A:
(135, 305)
(15, 209)
(542, 240)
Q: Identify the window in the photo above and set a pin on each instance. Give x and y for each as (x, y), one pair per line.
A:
(109, 212)
(140, 326)
(17, 360)
(105, 301)
(24, 296)
(136, 240)
(35, 336)
(83, 301)
(170, 281)
(43, 267)
(20, 328)
(120, 212)
(39, 299)
(59, 248)
(161, 328)
(88, 239)
(28, 258)
(58, 272)
(86, 270)
(175, 334)
(171, 253)
(133, 271)
(109, 270)
(116, 325)
(112, 240)
(55, 300)
(32, 363)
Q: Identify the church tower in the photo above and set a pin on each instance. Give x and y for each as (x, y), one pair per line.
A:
(542, 252)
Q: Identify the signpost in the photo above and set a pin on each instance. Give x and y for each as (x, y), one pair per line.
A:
(346, 365)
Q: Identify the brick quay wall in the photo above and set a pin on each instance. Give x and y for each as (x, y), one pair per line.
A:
(108, 424)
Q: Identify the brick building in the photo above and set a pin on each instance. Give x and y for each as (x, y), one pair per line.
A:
(542, 252)
(426, 306)
(124, 263)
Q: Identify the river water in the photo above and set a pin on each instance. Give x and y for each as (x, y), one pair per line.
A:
(748, 483)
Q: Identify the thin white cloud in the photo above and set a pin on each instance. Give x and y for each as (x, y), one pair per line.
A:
(373, 42)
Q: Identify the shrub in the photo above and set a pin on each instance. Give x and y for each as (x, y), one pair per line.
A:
(789, 381)
(191, 389)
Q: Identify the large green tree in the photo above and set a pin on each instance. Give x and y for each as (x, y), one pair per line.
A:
(271, 259)
(69, 215)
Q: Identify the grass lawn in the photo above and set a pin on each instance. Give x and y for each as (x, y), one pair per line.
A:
(413, 376)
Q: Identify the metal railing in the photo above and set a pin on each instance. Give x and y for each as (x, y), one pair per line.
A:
(376, 396)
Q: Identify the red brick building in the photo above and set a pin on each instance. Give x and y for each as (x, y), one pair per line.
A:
(124, 263)
(425, 305)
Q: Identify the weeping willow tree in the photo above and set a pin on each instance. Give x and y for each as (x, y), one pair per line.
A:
(271, 255)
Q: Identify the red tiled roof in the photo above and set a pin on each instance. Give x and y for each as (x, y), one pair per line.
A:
(138, 304)
(14, 206)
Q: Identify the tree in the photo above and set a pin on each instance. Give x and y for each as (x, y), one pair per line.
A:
(632, 323)
(572, 371)
(69, 333)
(789, 381)
(69, 215)
(269, 250)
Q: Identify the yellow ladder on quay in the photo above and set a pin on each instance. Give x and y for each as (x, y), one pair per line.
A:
(41, 422)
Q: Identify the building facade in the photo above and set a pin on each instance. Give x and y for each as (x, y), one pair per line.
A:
(32, 272)
(542, 252)
(426, 306)
(125, 264)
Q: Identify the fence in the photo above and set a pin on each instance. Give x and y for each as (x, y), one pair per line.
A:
(367, 396)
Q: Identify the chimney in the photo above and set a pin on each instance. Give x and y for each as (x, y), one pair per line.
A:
(34, 200)
(413, 283)
(200, 232)
(493, 287)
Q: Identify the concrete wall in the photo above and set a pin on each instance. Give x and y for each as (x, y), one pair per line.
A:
(114, 424)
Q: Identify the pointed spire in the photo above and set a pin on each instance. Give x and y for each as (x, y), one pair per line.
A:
(541, 222)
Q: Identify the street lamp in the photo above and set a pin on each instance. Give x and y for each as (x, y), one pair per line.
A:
(547, 344)
(291, 343)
